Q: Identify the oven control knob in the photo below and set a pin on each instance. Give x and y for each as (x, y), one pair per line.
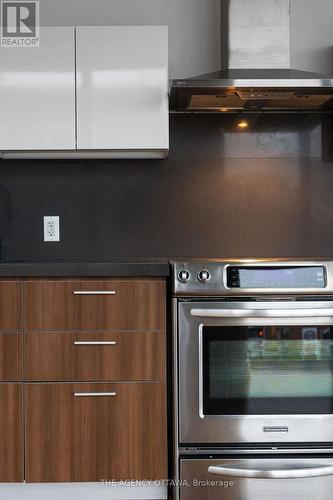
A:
(184, 276)
(204, 276)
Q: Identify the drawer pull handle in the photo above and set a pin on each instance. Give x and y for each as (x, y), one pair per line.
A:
(94, 394)
(94, 342)
(94, 292)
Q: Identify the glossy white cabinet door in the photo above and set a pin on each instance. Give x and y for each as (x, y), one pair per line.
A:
(37, 93)
(122, 87)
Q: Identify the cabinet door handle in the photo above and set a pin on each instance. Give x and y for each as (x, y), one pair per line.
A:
(94, 394)
(94, 342)
(94, 292)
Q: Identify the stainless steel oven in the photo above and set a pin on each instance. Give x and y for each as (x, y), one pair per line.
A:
(253, 373)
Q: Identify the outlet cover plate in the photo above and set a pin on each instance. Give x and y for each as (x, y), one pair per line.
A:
(51, 228)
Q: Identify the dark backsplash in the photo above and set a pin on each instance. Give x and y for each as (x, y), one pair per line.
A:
(263, 193)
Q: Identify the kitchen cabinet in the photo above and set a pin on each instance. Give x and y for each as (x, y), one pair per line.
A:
(37, 93)
(83, 379)
(10, 306)
(94, 356)
(89, 432)
(11, 402)
(86, 92)
(11, 433)
(10, 331)
(95, 367)
(122, 93)
(91, 305)
(10, 357)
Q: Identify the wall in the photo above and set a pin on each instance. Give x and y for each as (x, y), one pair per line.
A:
(312, 35)
(194, 25)
(221, 193)
(195, 31)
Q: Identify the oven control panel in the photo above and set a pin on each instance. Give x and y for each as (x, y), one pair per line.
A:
(276, 277)
(204, 277)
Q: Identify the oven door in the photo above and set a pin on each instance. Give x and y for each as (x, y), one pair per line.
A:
(257, 479)
(255, 372)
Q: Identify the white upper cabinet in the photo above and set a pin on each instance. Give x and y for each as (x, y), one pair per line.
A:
(37, 93)
(86, 92)
(122, 89)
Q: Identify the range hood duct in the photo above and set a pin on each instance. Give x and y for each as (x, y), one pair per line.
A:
(256, 73)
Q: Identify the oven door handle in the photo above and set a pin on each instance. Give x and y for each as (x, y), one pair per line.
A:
(262, 313)
(282, 472)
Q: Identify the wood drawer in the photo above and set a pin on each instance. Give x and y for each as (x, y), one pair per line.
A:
(11, 433)
(10, 306)
(88, 305)
(94, 356)
(105, 431)
(10, 356)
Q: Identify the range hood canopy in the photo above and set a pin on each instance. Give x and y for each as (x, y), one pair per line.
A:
(256, 34)
(233, 90)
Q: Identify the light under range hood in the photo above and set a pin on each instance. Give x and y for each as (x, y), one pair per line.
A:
(271, 90)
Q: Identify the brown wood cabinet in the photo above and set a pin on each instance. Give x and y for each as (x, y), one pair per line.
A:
(94, 356)
(11, 433)
(89, 432)
(91, 305)
(10, 306)
(10, 356)
(82, 380)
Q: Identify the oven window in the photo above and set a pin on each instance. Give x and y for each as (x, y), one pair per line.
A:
(267, 370)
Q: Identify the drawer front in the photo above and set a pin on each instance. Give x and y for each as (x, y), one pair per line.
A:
(10, 356)
(253, 479)
(94, 305)
(11, 433)
(10, 306)
(90, 432)
(94, 356)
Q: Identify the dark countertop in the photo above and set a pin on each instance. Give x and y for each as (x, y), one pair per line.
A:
(141, 267)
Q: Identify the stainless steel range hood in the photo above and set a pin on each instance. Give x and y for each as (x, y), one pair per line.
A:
(260, 78)
(235, 90)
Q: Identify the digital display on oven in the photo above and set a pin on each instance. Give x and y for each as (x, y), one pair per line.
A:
(276, 277)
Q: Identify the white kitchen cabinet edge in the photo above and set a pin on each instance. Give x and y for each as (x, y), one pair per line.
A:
(86, 154)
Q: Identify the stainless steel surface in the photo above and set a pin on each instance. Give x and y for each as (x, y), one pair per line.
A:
(94, 292)
(175, 443)
(257, 37)
(253, 90)
(269, 450)
(197, 428)
(263, 94)
(258, 33)
(281, 469)
(94, 394)
(94, 342)
(199, 305)
(217, 285)
(266, 313)
(200, 484)
(257, 78)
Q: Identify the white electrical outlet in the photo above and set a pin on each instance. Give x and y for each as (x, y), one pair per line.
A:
(51, 228)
